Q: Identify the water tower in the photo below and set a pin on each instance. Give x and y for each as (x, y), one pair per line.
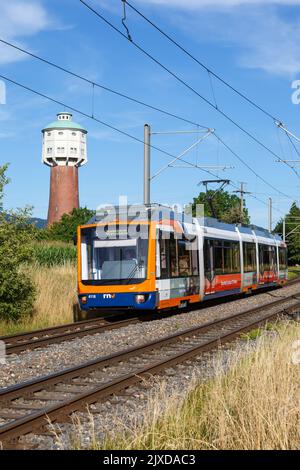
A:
(64, 150)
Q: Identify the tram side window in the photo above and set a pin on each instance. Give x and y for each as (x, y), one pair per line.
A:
(164, 258)
(267, 257)
(273, 258)
(173, 256)
(207, 256)
(177, 258)
(194, 255)
(218, 257)
(226, 257)
(282, 259)
(249, 254)
(231, 258)
(266, 261)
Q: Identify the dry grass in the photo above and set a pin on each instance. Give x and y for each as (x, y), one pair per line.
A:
(56, 294)
(254, 406)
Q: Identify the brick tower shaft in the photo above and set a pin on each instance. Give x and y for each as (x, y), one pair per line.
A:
(64, 195)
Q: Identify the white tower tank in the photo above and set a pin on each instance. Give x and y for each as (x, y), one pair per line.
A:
(64, 142)
(64, 150)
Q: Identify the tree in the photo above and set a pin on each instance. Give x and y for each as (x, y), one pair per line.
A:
(3, 181)
(66, 228)
(292, 228)
(226, 206)
(16, 289)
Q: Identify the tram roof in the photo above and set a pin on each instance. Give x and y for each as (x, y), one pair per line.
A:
(156, 212)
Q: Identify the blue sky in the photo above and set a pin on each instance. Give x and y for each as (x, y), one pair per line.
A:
(253, 44)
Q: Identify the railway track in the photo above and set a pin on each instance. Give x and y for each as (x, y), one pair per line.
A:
(58, 334)
(41, 338)
(29, 407)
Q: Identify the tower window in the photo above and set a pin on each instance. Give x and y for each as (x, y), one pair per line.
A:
(73, 150)
(49, 150)
(82, 151)
(48, 134)
(60, 149)
(73, 133)
(60, 133)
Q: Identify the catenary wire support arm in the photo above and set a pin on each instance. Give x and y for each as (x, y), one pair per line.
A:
(282, 126)
(195, 144)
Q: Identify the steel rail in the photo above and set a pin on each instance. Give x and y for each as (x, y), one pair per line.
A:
(43, 337)
(61, 410)
(40, 338)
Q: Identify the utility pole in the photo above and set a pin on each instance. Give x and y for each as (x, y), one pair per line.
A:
(242, 192)
(147, 176)
(283, 229)
(270, 214)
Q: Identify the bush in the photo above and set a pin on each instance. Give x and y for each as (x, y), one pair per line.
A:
(17, 292)
(52, 254)
(66, 228)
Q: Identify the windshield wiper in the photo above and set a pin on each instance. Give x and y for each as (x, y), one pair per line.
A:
(131, 275)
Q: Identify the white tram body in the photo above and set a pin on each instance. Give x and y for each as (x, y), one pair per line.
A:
(152, 257)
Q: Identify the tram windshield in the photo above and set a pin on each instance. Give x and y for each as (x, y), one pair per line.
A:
(114, 255)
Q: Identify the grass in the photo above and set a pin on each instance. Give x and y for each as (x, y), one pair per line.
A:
(54, 253)
(294, 272)
(256, 405)
(56, 294)
(252, 335)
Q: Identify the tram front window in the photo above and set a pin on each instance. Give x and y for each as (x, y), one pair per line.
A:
(106, 261)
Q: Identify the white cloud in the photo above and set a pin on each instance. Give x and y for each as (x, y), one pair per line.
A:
(260, 35)
(198, 4)
(272, 47)
(19, 18)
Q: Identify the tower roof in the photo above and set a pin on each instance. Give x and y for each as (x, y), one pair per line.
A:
(64, 121)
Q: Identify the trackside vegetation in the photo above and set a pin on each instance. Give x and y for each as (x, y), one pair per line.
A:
(255, 404)
(17, 291)
(25, 250)
(54, 253)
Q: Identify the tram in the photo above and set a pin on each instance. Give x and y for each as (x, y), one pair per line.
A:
(155, 258)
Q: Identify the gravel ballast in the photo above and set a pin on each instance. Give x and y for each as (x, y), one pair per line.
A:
(31, 364)
(141, 404)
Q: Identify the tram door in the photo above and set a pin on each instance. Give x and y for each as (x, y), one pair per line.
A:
(208, 266)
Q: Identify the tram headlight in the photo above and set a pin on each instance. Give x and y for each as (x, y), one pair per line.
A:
(84, 299)
(140, 298)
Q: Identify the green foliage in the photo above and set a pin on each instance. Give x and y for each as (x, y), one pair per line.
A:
(66, 228)
(16, 289)
(3, 181)
(54, 254)
(292, 230)
(226, 206)
(16, 234)
(252, 335)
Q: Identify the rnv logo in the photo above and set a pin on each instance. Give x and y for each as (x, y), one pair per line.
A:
(108, 296)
